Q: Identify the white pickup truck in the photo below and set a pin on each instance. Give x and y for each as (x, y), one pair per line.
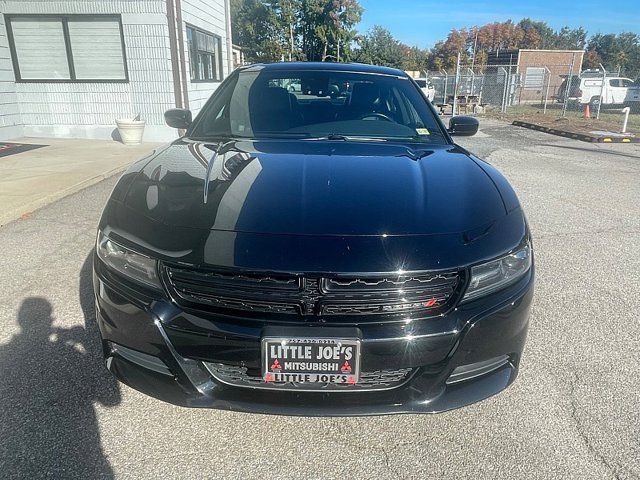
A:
(633, 97)
(587, 88)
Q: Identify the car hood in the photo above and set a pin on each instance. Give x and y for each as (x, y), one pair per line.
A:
(315, 187)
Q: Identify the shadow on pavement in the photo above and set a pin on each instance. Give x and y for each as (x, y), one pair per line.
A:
(592, 150)
(50, 379)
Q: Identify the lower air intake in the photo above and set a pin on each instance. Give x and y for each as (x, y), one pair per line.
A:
(374, 380)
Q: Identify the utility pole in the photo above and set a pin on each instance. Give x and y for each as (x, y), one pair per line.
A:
(569, 82)
(287, 16)
(454, 107)
(604, 79)
(290, 40)
(338, 30)
(475, 46)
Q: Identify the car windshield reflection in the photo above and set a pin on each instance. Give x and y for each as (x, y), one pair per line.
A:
(330, 105)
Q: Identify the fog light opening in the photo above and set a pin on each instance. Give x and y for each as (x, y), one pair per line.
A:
(141, 359)
(474, 370)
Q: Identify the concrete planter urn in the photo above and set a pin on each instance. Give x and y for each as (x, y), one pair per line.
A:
(130, 130)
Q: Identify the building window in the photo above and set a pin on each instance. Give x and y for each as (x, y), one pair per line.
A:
(75, 48)
(534, 78)
(205, 55)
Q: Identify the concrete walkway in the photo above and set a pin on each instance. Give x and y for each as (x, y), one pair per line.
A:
(32, 179)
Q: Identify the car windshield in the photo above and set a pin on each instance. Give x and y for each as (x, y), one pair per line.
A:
(318, 104)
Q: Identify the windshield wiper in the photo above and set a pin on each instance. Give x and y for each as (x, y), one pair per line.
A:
(281, 135)
(217, 138)
(337, 136)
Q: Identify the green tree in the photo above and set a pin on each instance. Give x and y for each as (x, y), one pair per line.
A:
(536, 34)
(287, 13)
(344, 16)
(327, 26)
(591, 59)
(379, 47)
(272, 30)
(256, 27)
(617, 52)
(414, 58)
(571, 38)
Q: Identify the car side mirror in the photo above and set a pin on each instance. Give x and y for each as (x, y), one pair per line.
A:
(178, 118)
(463, 126)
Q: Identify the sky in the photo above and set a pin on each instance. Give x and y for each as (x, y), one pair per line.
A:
(422, 23)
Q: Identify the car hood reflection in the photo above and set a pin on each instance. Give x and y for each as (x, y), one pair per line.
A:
(316, 188)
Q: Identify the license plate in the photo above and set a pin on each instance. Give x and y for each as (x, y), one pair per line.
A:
(310, 360)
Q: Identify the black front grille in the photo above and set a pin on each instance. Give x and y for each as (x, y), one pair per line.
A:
(339, 295)
(374, 380)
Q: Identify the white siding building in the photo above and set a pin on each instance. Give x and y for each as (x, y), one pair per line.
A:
(69, 68)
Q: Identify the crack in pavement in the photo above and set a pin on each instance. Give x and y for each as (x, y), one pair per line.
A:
(613, 469)
(346, 442)
(388, 464)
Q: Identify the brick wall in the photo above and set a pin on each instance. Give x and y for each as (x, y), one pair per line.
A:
(558, 64)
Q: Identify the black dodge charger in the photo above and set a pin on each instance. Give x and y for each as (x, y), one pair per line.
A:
(314, 244)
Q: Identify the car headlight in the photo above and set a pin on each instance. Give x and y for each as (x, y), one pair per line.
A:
(496, 274)
(133, 265)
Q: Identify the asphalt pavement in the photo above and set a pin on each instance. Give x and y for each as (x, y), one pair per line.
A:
(574, 411)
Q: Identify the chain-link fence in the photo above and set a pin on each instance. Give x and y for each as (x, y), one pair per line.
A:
(537, 91)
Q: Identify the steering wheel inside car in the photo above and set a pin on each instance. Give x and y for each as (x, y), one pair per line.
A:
(376, 116)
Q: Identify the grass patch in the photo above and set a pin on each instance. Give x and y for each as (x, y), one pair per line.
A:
(610, 119)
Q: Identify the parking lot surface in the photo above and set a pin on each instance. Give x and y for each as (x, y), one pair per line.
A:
(573, 412)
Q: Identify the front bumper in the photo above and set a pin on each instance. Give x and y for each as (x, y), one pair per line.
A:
(469, 354)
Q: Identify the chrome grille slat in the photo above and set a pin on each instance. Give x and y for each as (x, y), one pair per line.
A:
(245, 305)
(236, 280)
(373, 380)
(294, 294)
(406, 283)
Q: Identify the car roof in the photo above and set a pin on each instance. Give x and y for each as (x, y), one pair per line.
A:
(328, 66)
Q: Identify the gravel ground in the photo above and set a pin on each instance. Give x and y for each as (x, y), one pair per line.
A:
(573, 412)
